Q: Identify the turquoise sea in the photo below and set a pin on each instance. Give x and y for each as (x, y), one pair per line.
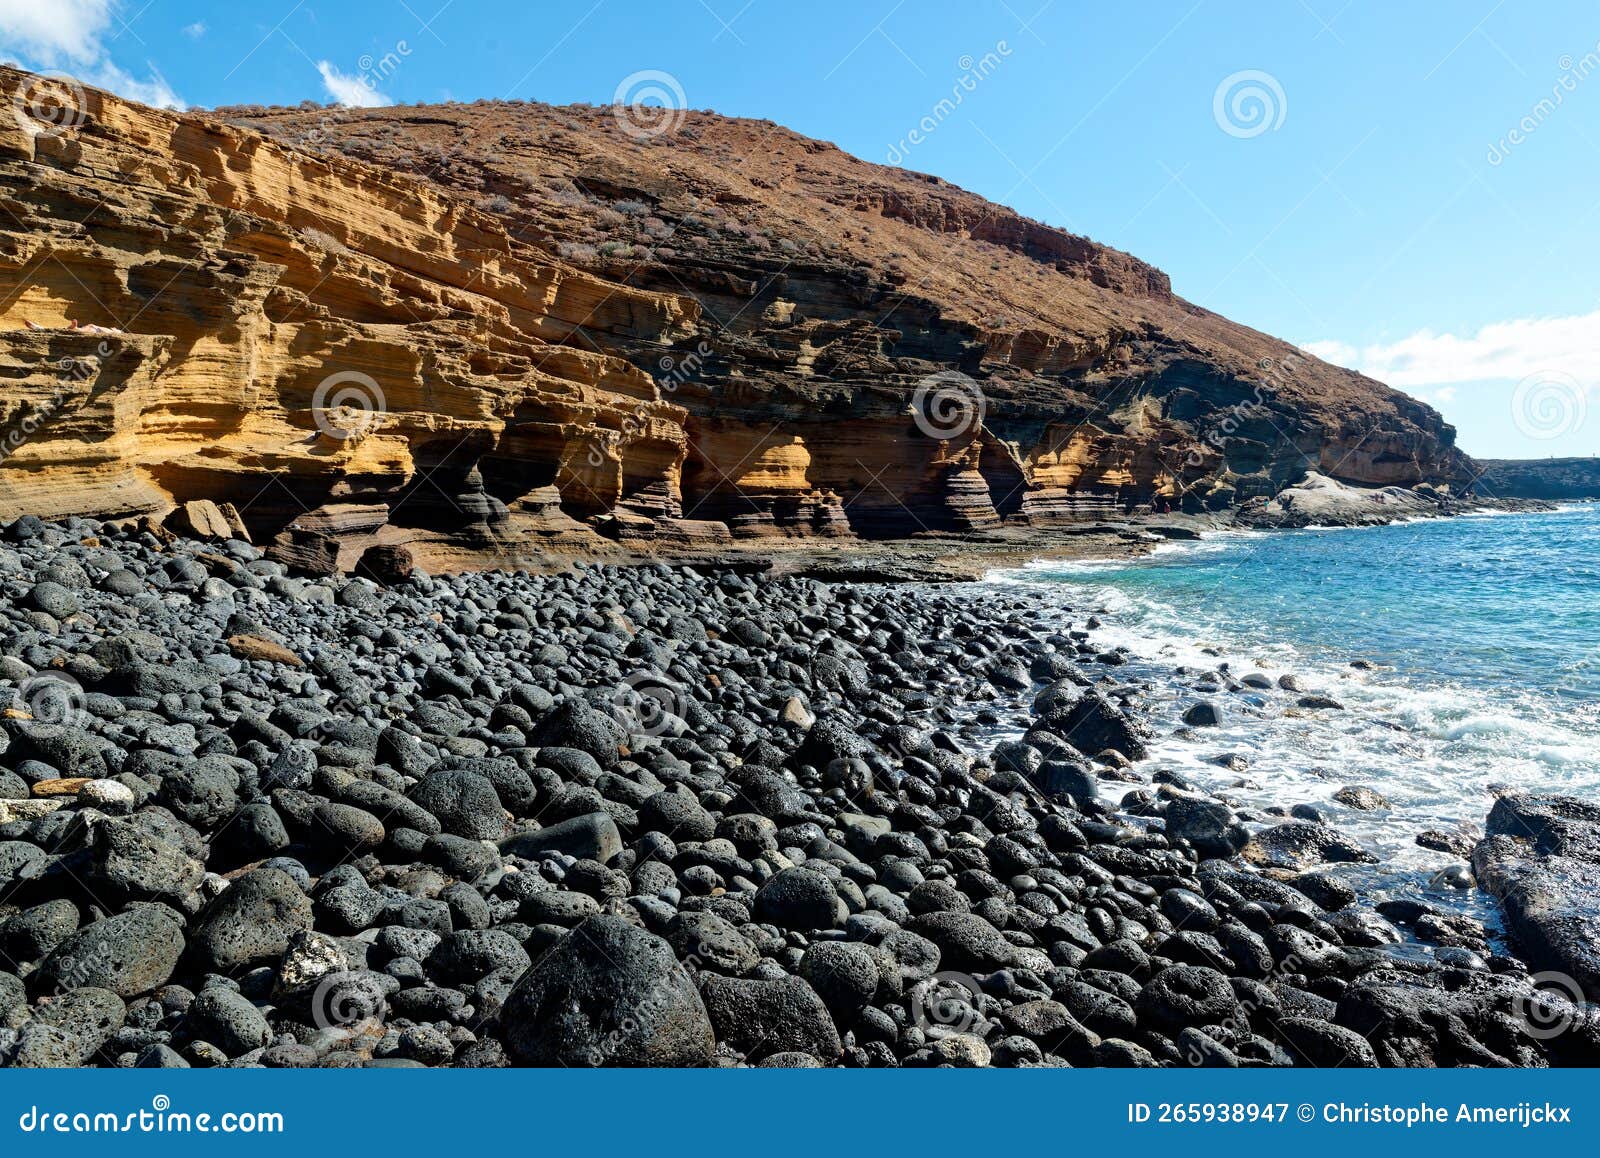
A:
(1483, 633)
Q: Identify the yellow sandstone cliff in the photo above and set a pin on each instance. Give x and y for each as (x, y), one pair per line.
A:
(355, 353)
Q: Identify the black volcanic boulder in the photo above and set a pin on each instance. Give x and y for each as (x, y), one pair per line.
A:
(1186, 995)
(468, 954)
(1099, 1011)
(592, 836)
(1066, 778)
(761, 1018)
(228, 1020)
(966, 941)
(1301, 844)
(1413, 1023)
(678, 815)
(574, 724)
(90, 1015)
(1210, 826)
(711, 943)
(204, 793)
(1541, 858)
(831, 738)
(1058, 697)
(773, 796)
(1017, 756)
(1325, 1046)
(844, 974)
(607, 994)
(1092, 723)
(35, 932)
(129, 954)
(464, 802)
(1557, 825)
(127, 862)
(513, 786)
(1048, 1023)
(801, 899)
(70, 751)
(250, 924)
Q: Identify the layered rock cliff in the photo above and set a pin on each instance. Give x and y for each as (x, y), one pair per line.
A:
(475, 329)
(1539, 478)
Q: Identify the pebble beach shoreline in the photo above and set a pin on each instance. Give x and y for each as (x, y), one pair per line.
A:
(655, 815)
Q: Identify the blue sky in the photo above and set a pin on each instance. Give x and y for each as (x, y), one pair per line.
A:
(1412, 189)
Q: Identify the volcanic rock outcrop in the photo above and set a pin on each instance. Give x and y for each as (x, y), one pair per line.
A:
(471, 332)
(1539, 478)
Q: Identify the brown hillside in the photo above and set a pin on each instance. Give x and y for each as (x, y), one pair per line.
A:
(814, 268)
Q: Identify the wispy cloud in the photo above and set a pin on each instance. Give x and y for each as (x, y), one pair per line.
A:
(155, 91)
(1501, 351)
(354, 91)
(68, 35)
(196, 30)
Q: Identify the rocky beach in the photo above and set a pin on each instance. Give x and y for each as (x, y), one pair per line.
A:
(677, 816)
(499, 584)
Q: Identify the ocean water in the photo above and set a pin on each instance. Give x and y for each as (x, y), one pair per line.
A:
(1485, 636)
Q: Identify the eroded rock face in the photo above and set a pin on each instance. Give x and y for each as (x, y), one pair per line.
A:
(355, 346)
(194, 312)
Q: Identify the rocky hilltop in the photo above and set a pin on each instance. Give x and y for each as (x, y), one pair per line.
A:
(472, 331)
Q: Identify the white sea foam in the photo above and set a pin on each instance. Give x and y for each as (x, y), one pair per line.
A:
(1434, 749)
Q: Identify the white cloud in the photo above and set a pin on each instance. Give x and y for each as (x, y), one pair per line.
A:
(353, 91)
(1339, 353)
(155, 91)
(68, 36)
(55, 31)
(196, 30)
(1501, 351)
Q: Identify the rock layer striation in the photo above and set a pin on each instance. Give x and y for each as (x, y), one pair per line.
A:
(473, 332)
